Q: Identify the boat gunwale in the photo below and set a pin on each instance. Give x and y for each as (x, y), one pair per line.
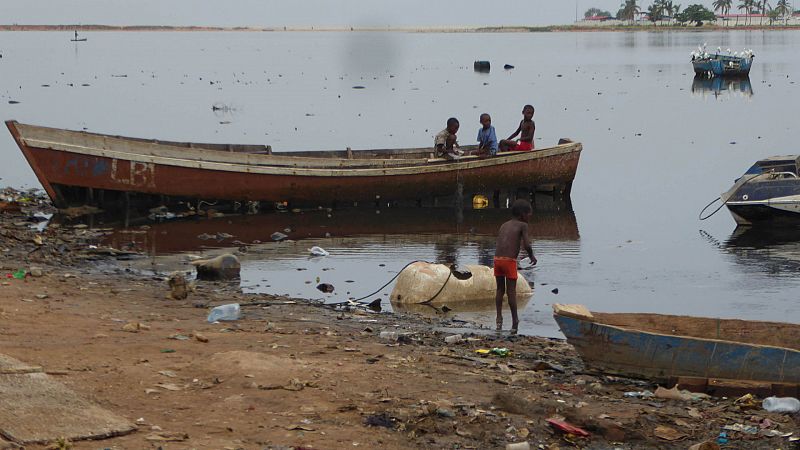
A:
(158, 150)
(429, 167)
(595, 320)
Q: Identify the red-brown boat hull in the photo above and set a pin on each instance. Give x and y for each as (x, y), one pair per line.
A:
(210, 180)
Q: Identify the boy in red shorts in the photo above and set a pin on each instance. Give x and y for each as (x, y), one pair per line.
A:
(526, 127)
(512, 235)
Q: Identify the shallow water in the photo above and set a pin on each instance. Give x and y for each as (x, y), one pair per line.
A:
(658, 146)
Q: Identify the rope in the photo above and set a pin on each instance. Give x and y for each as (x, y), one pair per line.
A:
(700, 216)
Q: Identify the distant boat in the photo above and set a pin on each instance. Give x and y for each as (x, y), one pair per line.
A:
(77, 39)
(716, 65)
(661, 347)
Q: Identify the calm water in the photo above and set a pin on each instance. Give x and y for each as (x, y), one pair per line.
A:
(657, 147)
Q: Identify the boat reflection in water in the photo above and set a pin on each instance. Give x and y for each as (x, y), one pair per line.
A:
(444, 228)
(717, 86)
(774, 252)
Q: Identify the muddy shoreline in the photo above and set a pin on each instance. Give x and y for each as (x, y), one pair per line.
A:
(295, 374)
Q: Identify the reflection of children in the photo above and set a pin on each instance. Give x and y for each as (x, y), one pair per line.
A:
(487, 138)
(511, 235)
(526, 127)
(445, 141)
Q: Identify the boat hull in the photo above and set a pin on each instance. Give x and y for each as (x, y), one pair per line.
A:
(211, 177)
(722, 66)
(662, 357)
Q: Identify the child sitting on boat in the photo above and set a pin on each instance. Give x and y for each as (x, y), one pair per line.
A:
(526, 127)
(445, 142)
(487, 138)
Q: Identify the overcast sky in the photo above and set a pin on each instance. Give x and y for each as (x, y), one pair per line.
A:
(302, 12)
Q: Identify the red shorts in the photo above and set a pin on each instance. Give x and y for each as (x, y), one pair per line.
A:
(522, 147)
(505, 267)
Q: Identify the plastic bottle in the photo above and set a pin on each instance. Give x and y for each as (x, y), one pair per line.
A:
(781, 404)
(389, 336)
(454, 339)
(224, 312)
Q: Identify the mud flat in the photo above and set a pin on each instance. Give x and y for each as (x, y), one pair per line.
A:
(292, 374)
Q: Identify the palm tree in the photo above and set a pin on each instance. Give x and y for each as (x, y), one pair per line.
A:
(723, 6)
(783, 8)
(747, 6)
(655, 11)
(629, 10)
(765, 8)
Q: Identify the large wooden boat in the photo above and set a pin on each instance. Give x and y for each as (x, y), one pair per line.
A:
(663, 347)
(76, 166)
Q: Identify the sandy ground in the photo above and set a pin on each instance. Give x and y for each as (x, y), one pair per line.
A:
(294, 375)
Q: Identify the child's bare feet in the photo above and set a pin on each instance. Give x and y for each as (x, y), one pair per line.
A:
(514, 327)
(499, 325)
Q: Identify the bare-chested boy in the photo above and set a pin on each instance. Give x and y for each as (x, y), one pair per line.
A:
(525, 131)
(512, 235)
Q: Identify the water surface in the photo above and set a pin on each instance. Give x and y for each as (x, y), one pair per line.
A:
(658, 145)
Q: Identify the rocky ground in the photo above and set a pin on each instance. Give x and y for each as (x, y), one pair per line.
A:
(291, 374)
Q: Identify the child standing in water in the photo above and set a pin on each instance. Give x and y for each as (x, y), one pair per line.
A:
(525, 129)
(512, 235)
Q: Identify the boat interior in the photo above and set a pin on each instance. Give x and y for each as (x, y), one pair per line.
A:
(787, 165)
(239, 154)
(776, 334)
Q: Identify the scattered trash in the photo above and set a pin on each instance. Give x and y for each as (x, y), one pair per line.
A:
(388, 336)
(325, 287)
(741, 428)
(481, 66)
(134, 327)
(230, 311)
(200, 337)
(668, 434)
(642, 394)
(318, 251)
(708, 445)
(379, 420)
(781, 404)
(294, 385)
(518, 446)
(675, 394)
(454, 339)
(567, 427)
(494, 351)
(223, 267)
(166, 437)
(179, 288)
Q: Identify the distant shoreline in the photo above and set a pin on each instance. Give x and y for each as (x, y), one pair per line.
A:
(494, 29)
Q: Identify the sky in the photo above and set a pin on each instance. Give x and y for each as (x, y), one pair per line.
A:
(293, 13)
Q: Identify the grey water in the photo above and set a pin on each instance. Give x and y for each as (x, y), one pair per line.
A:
(658, 146)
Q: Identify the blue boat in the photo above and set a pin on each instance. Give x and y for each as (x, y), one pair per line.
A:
(716, 65)
(663, 347)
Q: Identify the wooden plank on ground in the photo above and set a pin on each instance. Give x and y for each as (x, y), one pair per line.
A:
(35, 408)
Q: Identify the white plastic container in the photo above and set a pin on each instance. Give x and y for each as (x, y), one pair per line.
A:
(230, 311)
(781, 404)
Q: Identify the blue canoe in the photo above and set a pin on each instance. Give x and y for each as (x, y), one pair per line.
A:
(661, 347)
(722, 65)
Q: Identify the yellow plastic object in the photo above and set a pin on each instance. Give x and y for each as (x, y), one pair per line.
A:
(480, 201)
